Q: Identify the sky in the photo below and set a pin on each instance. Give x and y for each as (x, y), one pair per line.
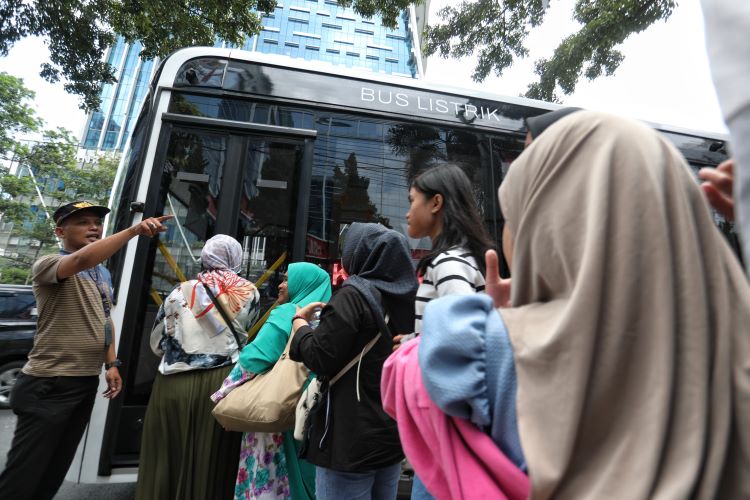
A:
(664, 79)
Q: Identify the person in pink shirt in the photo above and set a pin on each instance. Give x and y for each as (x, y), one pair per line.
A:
(452, 456)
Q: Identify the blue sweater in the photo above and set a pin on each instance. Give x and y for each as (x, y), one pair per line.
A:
(468, 369)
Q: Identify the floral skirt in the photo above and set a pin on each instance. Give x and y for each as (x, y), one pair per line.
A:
(262, 473)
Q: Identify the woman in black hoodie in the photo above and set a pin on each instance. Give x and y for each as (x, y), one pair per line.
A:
(351, 440)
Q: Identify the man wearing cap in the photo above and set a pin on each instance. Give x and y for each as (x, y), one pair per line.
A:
(55, 393)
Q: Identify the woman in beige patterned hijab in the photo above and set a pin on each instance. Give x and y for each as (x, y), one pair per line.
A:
(630, 321)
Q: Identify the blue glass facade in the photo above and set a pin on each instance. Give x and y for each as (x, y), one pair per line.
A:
(321, 30)
(96, 120)
(314, 30)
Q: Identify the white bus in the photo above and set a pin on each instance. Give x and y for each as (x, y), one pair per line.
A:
(282, 154)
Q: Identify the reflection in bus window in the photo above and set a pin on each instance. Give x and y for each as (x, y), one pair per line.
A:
(241, 111)
(192, 175)
(362, 168)
(267, 210)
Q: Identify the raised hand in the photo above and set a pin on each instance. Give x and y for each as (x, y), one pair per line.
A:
(495, 286)
(153, 225)
(307, 311)
(718, 187)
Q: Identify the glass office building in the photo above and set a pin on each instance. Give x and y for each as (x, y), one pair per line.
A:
(317, 30)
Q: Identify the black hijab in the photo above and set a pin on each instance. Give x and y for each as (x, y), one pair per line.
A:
(379, 265)
(535, 125)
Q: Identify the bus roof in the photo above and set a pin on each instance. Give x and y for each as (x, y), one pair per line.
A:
(171, 64)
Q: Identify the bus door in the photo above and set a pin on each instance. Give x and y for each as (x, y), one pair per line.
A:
(217, 177)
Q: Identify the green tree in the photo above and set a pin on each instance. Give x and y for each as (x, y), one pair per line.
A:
(78, 32)
(12, 274)
(16, 115)
(46, 176)
(38, 173)
(496, 31)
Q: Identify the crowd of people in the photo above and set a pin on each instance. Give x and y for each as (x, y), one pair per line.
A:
(613, 362)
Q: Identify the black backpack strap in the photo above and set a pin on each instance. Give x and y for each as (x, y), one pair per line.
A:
(228, 321)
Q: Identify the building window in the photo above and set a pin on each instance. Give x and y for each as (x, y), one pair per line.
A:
(271, 41)
(312, 47)
(381, 47)
(332, 26)
(299, 9)
(333, 51)
(353, 54)
(291, 44)
(306, 35)
(364, 31)
(298, 20)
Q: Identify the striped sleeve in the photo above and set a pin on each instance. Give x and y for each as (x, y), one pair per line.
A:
(455, 274)
(44, 270)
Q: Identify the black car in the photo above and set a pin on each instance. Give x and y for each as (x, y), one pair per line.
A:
(17, 326)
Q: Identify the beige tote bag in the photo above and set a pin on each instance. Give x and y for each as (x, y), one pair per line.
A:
(266, 403)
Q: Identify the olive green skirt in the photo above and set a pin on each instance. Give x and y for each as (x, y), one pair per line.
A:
(185, 454)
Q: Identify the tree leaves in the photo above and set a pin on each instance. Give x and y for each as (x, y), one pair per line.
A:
(591, 51)
(16, 116)
(388, 10)
(49, 165)
(496, 31)
(79, 32)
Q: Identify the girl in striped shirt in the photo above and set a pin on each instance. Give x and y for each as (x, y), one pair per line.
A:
(442, 207)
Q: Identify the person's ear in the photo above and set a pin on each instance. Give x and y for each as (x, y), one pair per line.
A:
(437, 203)
(59, 232)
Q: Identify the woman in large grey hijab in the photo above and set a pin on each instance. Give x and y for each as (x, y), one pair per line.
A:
(627, 320)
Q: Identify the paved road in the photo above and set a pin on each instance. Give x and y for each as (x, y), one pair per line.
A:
(68, 491)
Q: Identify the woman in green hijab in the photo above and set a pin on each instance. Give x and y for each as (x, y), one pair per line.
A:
(269, 467)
